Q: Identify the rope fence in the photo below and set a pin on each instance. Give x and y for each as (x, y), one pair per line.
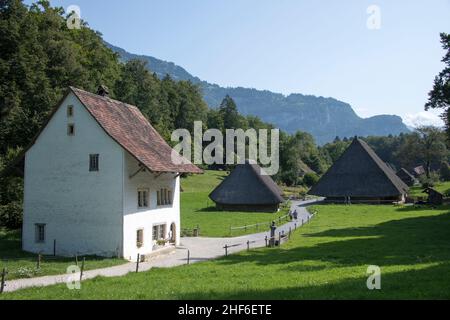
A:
(257, 225)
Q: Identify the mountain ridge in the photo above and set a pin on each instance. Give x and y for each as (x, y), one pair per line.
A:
(323, 117)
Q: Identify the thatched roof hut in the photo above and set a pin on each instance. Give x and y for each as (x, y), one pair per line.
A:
(434, 196)
(406, 177)
(247, 188)
(361, 175)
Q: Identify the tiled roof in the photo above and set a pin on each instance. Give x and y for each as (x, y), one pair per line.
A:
(130, 129)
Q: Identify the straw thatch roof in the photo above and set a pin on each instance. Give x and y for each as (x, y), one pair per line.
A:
(406, 177)
(359, 172)
(246, 185)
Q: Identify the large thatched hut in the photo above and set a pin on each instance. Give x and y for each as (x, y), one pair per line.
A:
(406, 177)
(359, 175)
(247, 188)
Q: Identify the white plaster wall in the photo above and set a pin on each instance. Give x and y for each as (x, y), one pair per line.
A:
(135, 218)
(82, 210)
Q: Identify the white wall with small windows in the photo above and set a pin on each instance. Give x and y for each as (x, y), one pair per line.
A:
(83, 191)
(66, 201)
(151, 204)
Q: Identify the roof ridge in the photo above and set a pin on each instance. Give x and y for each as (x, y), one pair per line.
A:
(390, 174)
(109, 99)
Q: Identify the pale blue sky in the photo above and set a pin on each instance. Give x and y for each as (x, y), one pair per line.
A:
(306, 46)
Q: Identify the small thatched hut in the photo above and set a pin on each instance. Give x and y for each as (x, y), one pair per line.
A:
(359, 175)
(247, 189)
(406, 177)
(434, 196)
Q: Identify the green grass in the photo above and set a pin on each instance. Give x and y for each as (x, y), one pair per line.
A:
(416, 191)
(326, 259)
(22, 264)
(198, 209)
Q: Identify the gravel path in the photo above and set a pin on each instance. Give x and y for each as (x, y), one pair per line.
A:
(200, 249)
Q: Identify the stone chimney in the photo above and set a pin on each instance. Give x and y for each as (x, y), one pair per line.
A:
(103, 91)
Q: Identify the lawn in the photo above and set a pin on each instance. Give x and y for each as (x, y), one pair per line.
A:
(198, 210)
(326, 259)
(416, 191)
(21, 264)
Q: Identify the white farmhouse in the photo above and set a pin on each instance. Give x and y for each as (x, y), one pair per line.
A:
(99, 179)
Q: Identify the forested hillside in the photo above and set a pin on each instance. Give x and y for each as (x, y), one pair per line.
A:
(323, 118)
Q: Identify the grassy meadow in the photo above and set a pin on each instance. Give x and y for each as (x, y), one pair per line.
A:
(326, 259)
(198, 209)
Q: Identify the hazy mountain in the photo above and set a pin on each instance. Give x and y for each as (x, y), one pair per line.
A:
(324, 118)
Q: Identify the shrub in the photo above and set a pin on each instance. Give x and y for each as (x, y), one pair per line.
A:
(429, 182)
(310, 179)
(444, 171)
(447, 193)
(11, 215)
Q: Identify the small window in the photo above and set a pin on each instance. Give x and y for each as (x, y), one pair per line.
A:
(71, 129)
(139, 238)
(162, 231)
(70, 111)
(93, 162)
(40, 232)
(164, 197)
(143, 198)
(159, 232)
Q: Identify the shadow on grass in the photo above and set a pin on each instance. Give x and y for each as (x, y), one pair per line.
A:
(396, 242)
(426, 283)
(208, 209)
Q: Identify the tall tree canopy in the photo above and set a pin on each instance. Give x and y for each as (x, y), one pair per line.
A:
(439, 96)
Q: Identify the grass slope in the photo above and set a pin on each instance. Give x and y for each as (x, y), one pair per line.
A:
(22, 264)
(416, 191)
(326, 259)
(198, 209)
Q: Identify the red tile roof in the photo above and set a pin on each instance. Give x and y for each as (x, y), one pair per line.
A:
(129, 128)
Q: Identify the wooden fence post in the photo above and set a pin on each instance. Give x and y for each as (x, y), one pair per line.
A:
(188, 257)
(266, 240)
(137, 262)
(54, 247)
(38, 265)
(2, 283)
(82, 269)
(226, 250)
(248, 245)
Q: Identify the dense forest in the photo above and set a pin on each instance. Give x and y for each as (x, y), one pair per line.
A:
(40, 57)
